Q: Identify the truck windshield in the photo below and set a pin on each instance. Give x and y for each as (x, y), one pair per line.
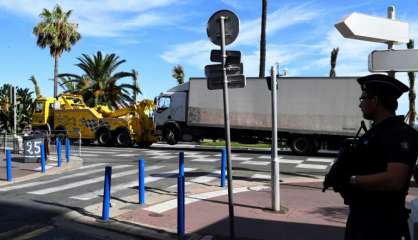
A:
(164, 103)
(39, 107)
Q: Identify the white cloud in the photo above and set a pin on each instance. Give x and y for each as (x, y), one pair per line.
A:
(276, 21)
(100, 18)
(197, 53)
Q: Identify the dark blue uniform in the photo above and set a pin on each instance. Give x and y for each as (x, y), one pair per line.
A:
(382, 214)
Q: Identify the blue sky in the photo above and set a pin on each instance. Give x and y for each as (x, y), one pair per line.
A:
(155, 35)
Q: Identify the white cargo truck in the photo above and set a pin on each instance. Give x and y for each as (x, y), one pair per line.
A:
(313, 112)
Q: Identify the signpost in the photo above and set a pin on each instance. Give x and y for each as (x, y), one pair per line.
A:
(405, 60)
(222, 29)
(373, 29)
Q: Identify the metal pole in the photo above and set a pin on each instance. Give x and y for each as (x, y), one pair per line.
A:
(391, 15)
(67, 149)
(275, 169)
(227, 131)
(14, 111)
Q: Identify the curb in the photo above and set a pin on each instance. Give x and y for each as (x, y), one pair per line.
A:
(74, 163)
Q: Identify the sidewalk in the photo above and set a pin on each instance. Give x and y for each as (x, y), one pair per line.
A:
(307, 213)
(26, 171)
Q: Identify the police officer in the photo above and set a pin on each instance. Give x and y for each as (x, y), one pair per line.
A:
(385, 158)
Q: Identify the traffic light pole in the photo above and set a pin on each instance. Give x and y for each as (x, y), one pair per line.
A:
(227, 131)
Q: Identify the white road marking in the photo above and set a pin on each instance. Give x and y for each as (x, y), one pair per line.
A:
(46, 167)
(324, 160)
(292, 161)
(204, 160)
(81, 183)
(197, 156)
(116, 188)
(265, 157)
(241, 158)
(37, 183)
(171, 204)
(207, 178)
(163, 157)
(260, 163)
(312, 166)
(89, 155)
(127, 155)
(261, 176)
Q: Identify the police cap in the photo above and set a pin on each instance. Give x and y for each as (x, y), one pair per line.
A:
(382, 85)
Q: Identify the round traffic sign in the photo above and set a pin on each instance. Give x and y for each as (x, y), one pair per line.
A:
(231, 27)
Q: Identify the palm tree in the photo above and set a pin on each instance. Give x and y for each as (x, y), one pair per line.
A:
(334, 55)
(55, 32)
(98, 83)
(411, 75)
(178, 73)
(263, 40)
(36, 85)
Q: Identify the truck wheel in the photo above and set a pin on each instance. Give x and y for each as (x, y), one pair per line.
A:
(104, 137)
(301, 145)
(170, 136)
(123, 139)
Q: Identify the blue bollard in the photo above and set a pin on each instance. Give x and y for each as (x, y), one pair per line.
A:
(141, 183)
(181, 206)
(223, 168)
(42, 158)
(67, 149)
(9, 165)
(181, 164)
(106, 193)
(181, 197)
(58, 145)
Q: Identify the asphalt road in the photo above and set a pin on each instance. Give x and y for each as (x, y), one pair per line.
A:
(28, 207)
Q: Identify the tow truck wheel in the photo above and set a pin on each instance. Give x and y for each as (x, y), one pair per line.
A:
(104, 137)
(123, 139)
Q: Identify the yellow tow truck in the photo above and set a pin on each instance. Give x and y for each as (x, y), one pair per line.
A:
(69, 115)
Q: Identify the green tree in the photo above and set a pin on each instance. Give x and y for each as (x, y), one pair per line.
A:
(334, 55)
(54, 31)
(98, 83)
(411, 115)
(263, 39)
(24, 108)
(178, 74)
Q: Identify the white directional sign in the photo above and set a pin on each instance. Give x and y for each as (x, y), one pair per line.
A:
(374, 29)
(394, 60)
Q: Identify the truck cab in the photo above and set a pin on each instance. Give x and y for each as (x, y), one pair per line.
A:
(170, 113)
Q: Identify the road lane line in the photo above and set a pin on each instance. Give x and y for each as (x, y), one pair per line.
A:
(37, 183)
(81, 183)
(119, 187)
(171, 204)
(312, 166)
(260, 163)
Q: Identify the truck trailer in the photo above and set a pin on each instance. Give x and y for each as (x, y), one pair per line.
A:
(313, 112)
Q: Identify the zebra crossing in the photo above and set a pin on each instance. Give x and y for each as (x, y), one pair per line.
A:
(86, 183)
(299, 162)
